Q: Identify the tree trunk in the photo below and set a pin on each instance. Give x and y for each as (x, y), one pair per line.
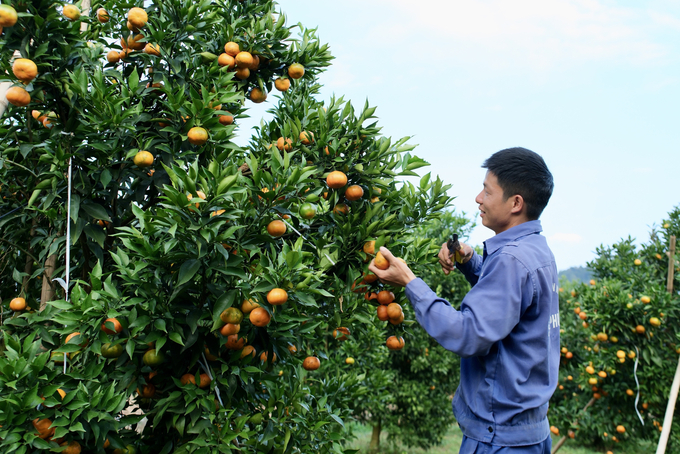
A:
(375, 438)
(48, 287)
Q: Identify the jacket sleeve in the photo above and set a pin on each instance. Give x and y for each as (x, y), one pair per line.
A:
(489, 312)
(471, 268)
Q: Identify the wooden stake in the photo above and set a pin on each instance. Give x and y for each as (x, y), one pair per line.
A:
(670, 407)
(564, 438)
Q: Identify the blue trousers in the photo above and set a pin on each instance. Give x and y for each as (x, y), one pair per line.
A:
(470, 446)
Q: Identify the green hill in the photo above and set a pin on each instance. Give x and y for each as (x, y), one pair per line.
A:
(575, 273)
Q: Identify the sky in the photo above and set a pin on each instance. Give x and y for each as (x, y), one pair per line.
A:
(591, 85)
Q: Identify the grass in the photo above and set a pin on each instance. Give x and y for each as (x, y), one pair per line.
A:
(452, 440)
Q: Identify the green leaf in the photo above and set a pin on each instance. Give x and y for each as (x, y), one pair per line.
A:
(187, 271)
(95, 210)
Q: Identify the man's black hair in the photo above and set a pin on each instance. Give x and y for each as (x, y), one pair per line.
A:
(521, 171)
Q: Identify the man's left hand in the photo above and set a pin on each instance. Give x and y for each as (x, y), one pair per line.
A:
(398, 273)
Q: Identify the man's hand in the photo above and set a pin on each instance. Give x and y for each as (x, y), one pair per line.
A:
(398, 273)
(463, 255)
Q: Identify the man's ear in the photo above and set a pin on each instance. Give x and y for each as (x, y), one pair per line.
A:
(518, 205)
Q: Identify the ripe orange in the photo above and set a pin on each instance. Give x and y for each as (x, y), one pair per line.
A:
(620, 429)
(24, 69)
(602, 337)
(232, 48)
(654, 321)
(112, 56)
(71, 12)
(255, 64)
(354, 192)
(296, 71)
(114, 323)
(231, 315)
(394, 310)
(340, 208)
(381, 262)
(247, 350)
(277, 296)
(645, 299)
(137, 17)
(242, 73)
(385, 297)
(369, 247)
(257, 95)
(341, 337)
(397, 321)
(188, 378)
(569, 355)
(102, 15)
(152, 49)
(264, 356)
(276, 228)
(284, 143)
(18, 96)
(8, 16)
(582, 315)
(83, 343)
(590, 369)
(72, 447)
(336, 179)
(217, 213)
(637, 262)
(306, 137)
(311, 363)
(204, 380)
(382, 313)
(230, 328)
(197, 135)
(554, 430)
(226, 119)
(143, 159)
(43, 428)
(226, 60)
(370, 278)
(282, 84)
(259, 317)
(248, 305)
(234, 342)
(244, 59)
(292, 349)
(135, 42)
(640, 329)
(17, 304)
(394, 343)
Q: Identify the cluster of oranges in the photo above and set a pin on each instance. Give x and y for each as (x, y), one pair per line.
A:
(137, 19)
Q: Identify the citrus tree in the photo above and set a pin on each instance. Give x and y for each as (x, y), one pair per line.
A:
(202, 281)
(619, 345)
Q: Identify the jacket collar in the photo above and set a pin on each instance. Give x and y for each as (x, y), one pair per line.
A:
(526, 228)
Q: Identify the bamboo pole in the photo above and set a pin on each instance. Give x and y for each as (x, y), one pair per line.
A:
(670, 407)
(564, 438)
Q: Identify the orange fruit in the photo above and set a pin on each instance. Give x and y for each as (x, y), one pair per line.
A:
(102, 15)
(569, 355)
(369, 247)
(230, 328)
(264, 356)
(397, 321)
(602, 337)
(637, 262)
(554, 430)
(296, 71)
(152, 49)
(248, 350)
(136, 42)
(341, 337)
(112, 56)
(311, 363)
(602, 374)
(227, 119)
(394, 343)
(282, 84)
(590, 369)
(24, 69)
(370, 278)
(242, 73)
(244, 59)
(234, 342)
(83, 343)
(72, 447)
(8, 16)
(306, 137)
(226, 60)
(188, 378)
(117, 327)
(336, 179)
(284, 143)
(382, 313)
(231, 315)
(197, 135)
(385, 297)
(292, 349)
(277, 296)
(354, 192)
(381, 262)
(71, 12)
(204, 380)
(582, 315)
(640, 329)
(257, 95)
(43, 428)
(137, 17)
(394, 310)
(276, 228)
(143, 159)
(17, 304)
(307, 211)
(151, 358)
(248, 306)
(18, 96)
(217, 213)
(620, 429)
(112, 351)
(232, 48)
(654, 321)
(645, 299)
(340, 208)
(259, 317)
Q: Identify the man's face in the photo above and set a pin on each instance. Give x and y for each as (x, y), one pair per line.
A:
(495, 210)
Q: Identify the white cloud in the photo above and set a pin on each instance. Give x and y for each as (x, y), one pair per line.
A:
(565, 238)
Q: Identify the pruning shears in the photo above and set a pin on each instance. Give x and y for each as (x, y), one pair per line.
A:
(454, 246)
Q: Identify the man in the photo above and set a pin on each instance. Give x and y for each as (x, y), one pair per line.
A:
(507, 329)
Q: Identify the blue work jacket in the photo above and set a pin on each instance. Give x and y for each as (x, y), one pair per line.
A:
(508, 335)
